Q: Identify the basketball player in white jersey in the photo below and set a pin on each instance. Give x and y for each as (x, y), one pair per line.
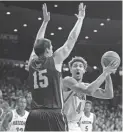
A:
(16, 119)
(87, 120)
(75, 91)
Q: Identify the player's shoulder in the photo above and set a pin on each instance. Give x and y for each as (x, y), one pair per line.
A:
(68, 78)
(26, 112)
(86, 84)
(69, 81)
(58, 66)
(93, 114)
(31, 60)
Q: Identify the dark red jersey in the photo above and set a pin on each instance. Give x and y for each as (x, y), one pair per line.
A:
(44, 80)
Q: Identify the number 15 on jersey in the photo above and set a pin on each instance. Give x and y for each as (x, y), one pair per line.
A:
(40, 79)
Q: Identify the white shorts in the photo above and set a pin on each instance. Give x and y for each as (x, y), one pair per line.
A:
(73, 127)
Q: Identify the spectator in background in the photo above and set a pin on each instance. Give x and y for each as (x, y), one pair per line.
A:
(12, 100)
(29, 100)
(1, 95)
(108, 119)
(19, 93)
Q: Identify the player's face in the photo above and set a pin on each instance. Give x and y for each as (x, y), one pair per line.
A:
(22, 104)
(77, 70)
(87, 107)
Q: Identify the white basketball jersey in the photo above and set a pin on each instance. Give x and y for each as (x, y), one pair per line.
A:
(18, 122)
(72, 104)
(86, 123)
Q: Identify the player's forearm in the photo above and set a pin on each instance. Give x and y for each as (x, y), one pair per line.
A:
(108, 87)
(97, 83)
(40, 35)
(62, 53)
(75, 33)
(42, 30)
(91, 88)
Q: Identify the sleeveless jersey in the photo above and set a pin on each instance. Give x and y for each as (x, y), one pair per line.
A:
(74, 106)
(18, 122)
(86, 123)
(45, 83)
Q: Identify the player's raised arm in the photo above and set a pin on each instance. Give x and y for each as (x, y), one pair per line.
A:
(41, 32)
(106, 93)
(63, 52)
(71, 83)
(46, 16)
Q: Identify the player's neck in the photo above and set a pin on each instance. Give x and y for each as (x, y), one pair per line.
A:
(87, 113)
(20, 112)
(78, 80)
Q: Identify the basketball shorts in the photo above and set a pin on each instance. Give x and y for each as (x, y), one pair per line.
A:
(73, 127)
(46, 120)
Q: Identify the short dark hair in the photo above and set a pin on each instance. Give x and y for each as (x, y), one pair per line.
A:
(79, 59)
(88, 102)
(40, 46)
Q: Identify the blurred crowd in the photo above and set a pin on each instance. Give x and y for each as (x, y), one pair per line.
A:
(107, 118)
(14, 83)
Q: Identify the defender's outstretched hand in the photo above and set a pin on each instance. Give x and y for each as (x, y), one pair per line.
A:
(46, 14)
(81, 13)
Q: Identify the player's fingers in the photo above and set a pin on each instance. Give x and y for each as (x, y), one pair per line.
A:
(76, 15)
(43, 6)
(85, 7)
(111, 63)
(115, 64)
(80, 6)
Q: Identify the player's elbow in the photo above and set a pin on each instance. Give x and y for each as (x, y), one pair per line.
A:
(107, 96)
(90, 91)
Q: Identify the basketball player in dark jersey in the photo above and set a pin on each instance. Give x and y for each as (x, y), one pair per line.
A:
(44, 76)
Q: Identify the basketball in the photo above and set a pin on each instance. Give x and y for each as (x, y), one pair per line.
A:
(110, 56)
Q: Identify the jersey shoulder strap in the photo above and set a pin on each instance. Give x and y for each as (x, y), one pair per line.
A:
(68, 96)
